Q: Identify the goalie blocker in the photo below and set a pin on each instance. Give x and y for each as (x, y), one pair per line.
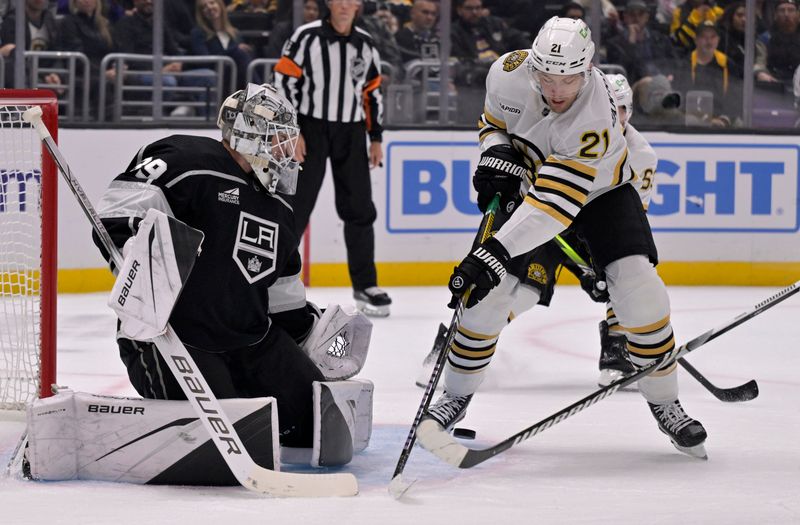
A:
(76, 435)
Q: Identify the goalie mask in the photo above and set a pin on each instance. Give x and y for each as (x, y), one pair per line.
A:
(261, 125)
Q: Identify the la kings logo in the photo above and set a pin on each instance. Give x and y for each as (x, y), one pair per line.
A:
(256, 248)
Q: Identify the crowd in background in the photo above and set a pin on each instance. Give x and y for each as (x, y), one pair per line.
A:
(666, 48)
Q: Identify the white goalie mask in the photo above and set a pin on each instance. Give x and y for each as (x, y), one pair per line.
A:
(261, 125)
(563, 46)
(623, 93)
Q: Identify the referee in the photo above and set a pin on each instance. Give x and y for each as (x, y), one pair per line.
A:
(330, 70)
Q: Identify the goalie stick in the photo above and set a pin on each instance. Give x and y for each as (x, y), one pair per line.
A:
(251, 475)
(744, 392)
(398, 486)
(441, 444)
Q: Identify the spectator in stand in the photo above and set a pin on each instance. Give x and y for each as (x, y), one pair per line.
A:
(178, 17)
(254, 6)
(732, 26)
(41, 34)
(378, 25)
(214, 35)
(87, 31)
(639, 48)
(283, 30)
(707, 69)
(112, 10)
(134, 34)
(573, 10)
(783, 50)
(419, 38)
(479, 40)
(686, 19)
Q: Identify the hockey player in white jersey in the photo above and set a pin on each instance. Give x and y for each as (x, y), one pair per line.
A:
(614, 360)
(547, 109)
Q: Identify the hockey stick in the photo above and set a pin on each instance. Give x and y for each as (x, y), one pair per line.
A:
(744, 392)
(441, 444)
(251, 475)
(398, 487)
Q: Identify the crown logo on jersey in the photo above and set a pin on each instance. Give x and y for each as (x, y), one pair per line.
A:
(254, 264)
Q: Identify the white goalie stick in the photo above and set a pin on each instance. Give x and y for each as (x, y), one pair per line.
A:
(398, 486)
(743, 392)
(442, 444)
(252, 476)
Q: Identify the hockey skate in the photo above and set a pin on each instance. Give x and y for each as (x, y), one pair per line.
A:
(373, 301)
(687, 434)
(614, 361)
(430, 360)
(448, 410)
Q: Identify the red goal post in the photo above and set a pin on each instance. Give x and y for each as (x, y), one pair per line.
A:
(28, 240)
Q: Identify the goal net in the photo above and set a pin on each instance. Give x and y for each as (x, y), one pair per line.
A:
(28, 183)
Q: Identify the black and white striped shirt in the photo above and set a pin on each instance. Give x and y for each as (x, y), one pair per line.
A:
(332, 77)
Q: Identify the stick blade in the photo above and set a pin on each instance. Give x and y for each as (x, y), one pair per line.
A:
(739, 394)
(294, 485)
(399, 486)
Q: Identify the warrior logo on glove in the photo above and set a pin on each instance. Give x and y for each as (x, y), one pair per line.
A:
(484, 268)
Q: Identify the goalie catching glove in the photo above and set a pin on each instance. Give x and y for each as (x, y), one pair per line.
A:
(501, 169)
(484, 268)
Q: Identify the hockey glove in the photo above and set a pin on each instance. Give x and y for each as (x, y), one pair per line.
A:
(595, 286)
(483, 268)
(592, 283)
(500, 170)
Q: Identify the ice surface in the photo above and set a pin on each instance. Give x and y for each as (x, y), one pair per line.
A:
(609, 464)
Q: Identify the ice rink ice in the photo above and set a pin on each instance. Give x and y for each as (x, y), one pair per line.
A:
(608, 464)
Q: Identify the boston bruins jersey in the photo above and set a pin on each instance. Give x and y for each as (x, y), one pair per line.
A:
(576, 155)
(249, 265)
(643, 160)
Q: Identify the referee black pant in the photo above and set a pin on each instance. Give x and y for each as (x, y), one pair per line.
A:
(345, 144)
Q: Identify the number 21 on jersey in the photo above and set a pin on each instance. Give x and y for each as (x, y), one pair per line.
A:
(591, 141)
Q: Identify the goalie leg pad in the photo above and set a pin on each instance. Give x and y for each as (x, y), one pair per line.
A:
(75, 435)
(339, 342)
(342, 420)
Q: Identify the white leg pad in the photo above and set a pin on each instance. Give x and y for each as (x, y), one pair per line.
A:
(342, 420)
(75, 435)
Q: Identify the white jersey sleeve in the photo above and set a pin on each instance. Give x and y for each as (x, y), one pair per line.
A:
(586, 155)
(643, 162)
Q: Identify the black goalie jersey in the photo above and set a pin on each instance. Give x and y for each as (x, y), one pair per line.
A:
(249, 265)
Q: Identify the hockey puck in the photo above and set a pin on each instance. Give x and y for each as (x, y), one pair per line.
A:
(464, 433)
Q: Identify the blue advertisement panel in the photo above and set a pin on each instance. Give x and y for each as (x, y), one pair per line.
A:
(702, 186)
(723, 187)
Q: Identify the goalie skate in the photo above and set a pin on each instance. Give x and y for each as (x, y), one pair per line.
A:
(685, 433)
(373, 301)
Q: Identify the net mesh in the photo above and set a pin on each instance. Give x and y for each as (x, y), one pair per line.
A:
(20, 259)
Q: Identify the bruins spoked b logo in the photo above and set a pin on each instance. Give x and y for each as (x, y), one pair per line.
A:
(256, 247)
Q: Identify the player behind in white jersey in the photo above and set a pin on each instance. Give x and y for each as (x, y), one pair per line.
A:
(548, 109)
(642, 159)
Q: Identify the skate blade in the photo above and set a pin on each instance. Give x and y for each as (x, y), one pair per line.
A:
(608, 376)
(697, 451)
(371, 310)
